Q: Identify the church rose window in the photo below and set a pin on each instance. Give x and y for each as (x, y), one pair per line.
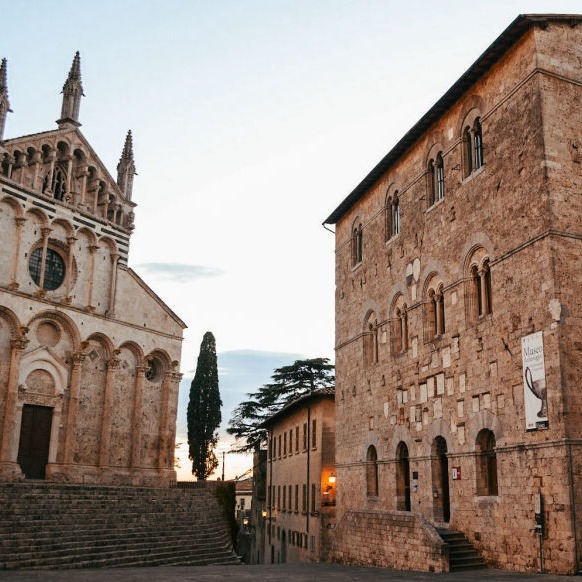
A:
(54, 269)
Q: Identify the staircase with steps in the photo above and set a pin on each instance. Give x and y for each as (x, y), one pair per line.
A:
(462, 555)
(48, 525)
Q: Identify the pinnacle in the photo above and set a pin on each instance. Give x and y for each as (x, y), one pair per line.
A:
(128, 147)
(75, 72)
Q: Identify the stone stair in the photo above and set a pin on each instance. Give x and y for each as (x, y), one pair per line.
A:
(462, 555)
(48, 525)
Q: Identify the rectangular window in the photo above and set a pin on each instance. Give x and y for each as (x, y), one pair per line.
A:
(285, 443)
(278, 496)
(313, 498)
(304, 436)
(312, 543)
(296, 439)
(269, 496)
(284, 498)
(291, 441)
(290, 506)
(304, 500)
(269, 447)
(296, 498)
(314, 434)
(279, 446)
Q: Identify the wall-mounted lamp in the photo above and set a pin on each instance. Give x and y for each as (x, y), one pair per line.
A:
(264, 513)
(331, 478)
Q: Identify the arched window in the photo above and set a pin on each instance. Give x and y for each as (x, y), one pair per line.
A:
(486, 463)
(357, 245)
(398, 325)
(473, 147)
(481, 288)
(372, 472)
(58, 185)
(402, 478)
(395, 215)
(435, 310)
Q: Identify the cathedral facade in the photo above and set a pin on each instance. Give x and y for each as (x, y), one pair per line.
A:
(459, 321)
(89, 355)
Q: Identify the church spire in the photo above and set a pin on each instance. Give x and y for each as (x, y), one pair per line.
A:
(4, 103)
(72, 93)
(126, 167)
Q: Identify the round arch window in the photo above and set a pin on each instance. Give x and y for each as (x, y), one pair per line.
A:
(54, 269)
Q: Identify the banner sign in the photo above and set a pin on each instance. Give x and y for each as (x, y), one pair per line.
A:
(534, 382)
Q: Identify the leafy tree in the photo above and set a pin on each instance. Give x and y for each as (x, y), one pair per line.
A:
(288, 383)
(204, 411)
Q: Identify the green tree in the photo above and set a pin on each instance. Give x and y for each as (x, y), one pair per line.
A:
(204, 411)
(288, 383)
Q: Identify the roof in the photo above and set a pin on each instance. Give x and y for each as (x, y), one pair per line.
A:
(316, 395)
(476, 71)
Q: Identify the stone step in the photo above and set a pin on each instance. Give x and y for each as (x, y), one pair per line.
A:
(462, 555)
(51, 525)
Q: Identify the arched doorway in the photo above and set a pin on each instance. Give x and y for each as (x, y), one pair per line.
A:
(440, 480)
(402, 478)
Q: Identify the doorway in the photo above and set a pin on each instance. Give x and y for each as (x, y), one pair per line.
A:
(402, 478)
(440, 480)
(35, 435)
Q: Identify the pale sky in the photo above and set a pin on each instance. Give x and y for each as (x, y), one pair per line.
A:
(252, 120)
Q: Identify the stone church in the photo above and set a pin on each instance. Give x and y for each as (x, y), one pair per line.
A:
(459, 321)
(89, 354)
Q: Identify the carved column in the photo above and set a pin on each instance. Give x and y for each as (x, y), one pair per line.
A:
(10, 162)
(69, 174)
(92, 251)
(75, 382)
(162, 458)
(83, 173)
(45, 239)
(136, 420)
(112, 365)
(438, 313)
(49, 177)
(16, 256)
(9, 448)
(36, 163)
(113, 288)
(71, 240)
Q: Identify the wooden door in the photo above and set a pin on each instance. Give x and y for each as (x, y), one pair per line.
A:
(35, 435)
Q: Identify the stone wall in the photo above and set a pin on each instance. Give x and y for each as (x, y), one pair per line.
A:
(434, 393)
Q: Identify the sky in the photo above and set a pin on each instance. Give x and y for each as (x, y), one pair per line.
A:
(252, 120)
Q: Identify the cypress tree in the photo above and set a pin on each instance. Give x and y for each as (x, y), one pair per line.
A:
(204, 411)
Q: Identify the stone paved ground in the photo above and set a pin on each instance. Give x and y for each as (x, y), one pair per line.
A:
(266, 573)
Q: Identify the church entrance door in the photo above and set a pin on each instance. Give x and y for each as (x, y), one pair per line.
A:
(35, 434)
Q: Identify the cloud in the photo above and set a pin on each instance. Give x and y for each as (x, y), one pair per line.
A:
(177, 272)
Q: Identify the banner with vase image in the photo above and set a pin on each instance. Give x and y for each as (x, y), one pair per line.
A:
(534, 382)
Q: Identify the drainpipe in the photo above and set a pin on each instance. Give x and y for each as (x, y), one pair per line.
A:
(308, 489)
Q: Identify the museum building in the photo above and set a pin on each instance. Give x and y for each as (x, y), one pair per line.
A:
(89, 354)
(459, 321)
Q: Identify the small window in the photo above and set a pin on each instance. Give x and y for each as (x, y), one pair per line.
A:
(370, 339)
(314, 434)
(54, 268)
(313, 498)
(285, 444)
(296, 439)
(153, 370)
(481, 289)
(304, 436)
(296, 498)
(473, 147)
(304, 498)
(478, 144)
